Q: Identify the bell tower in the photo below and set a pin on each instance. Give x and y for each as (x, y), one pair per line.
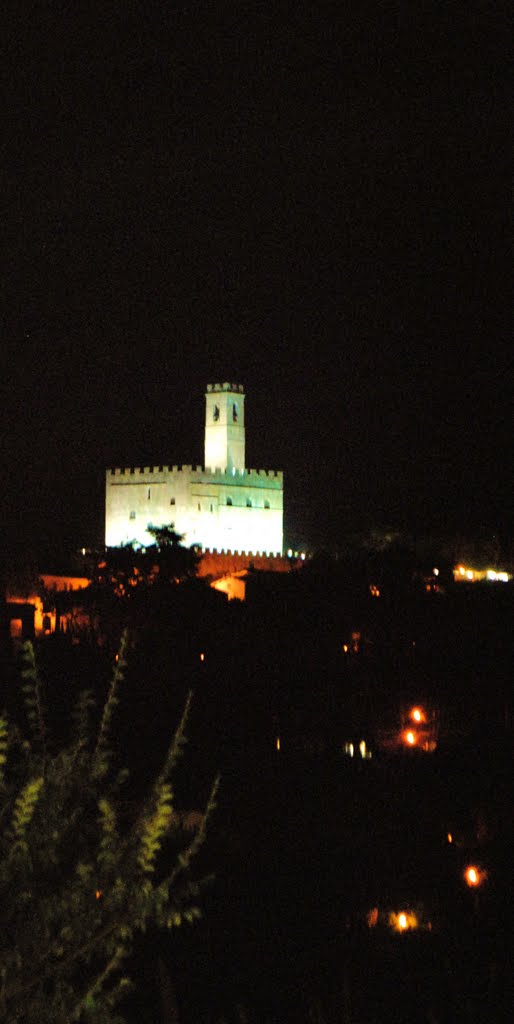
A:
(225, 427)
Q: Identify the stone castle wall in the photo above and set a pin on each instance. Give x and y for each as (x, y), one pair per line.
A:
(240, 510)
(222, 506)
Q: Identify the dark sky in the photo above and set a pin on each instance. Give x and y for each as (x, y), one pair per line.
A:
(309, 199)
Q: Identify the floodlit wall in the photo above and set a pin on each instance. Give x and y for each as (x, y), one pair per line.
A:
(238, 511)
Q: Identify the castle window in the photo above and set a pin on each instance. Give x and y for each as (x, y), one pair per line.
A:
(216, 413)
(266, 504)
(211, 507)
(248, 502)
(234, 412)
(132, 471)
(172, 501)
(199, 507)
(47, 624)
(229, 501)
(132, 515)
(149, 493)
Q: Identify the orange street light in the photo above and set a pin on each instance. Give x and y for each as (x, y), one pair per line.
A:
(410, 738)
(417, 715)
(474, 876)
(403, 921)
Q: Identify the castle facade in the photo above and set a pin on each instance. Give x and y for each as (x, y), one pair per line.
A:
(221, 506)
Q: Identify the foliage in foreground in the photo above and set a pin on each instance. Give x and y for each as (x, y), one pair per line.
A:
(130, 570)
(81, 867)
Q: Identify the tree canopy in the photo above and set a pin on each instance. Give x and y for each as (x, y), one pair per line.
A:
(128, 569)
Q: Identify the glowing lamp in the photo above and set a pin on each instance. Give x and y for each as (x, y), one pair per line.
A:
(474, 876)
(417, 715)
(410, 738)
(403, 921)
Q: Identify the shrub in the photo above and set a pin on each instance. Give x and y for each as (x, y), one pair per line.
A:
(83, 869)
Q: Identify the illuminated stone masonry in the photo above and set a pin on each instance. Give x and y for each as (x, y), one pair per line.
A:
(221, 506)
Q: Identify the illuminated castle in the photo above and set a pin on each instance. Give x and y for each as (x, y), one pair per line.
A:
(221, 506)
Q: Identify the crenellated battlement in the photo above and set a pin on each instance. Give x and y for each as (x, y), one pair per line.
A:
(136, 471)
(149, 470)
(243, 554)
(275, 474)
(236, 388)
(216, 561)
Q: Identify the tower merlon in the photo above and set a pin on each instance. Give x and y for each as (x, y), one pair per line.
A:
(236, 388)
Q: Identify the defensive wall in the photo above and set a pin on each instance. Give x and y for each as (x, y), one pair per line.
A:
(254, 474)
(216, 563)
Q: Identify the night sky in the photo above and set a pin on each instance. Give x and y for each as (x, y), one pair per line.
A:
(312, 200)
